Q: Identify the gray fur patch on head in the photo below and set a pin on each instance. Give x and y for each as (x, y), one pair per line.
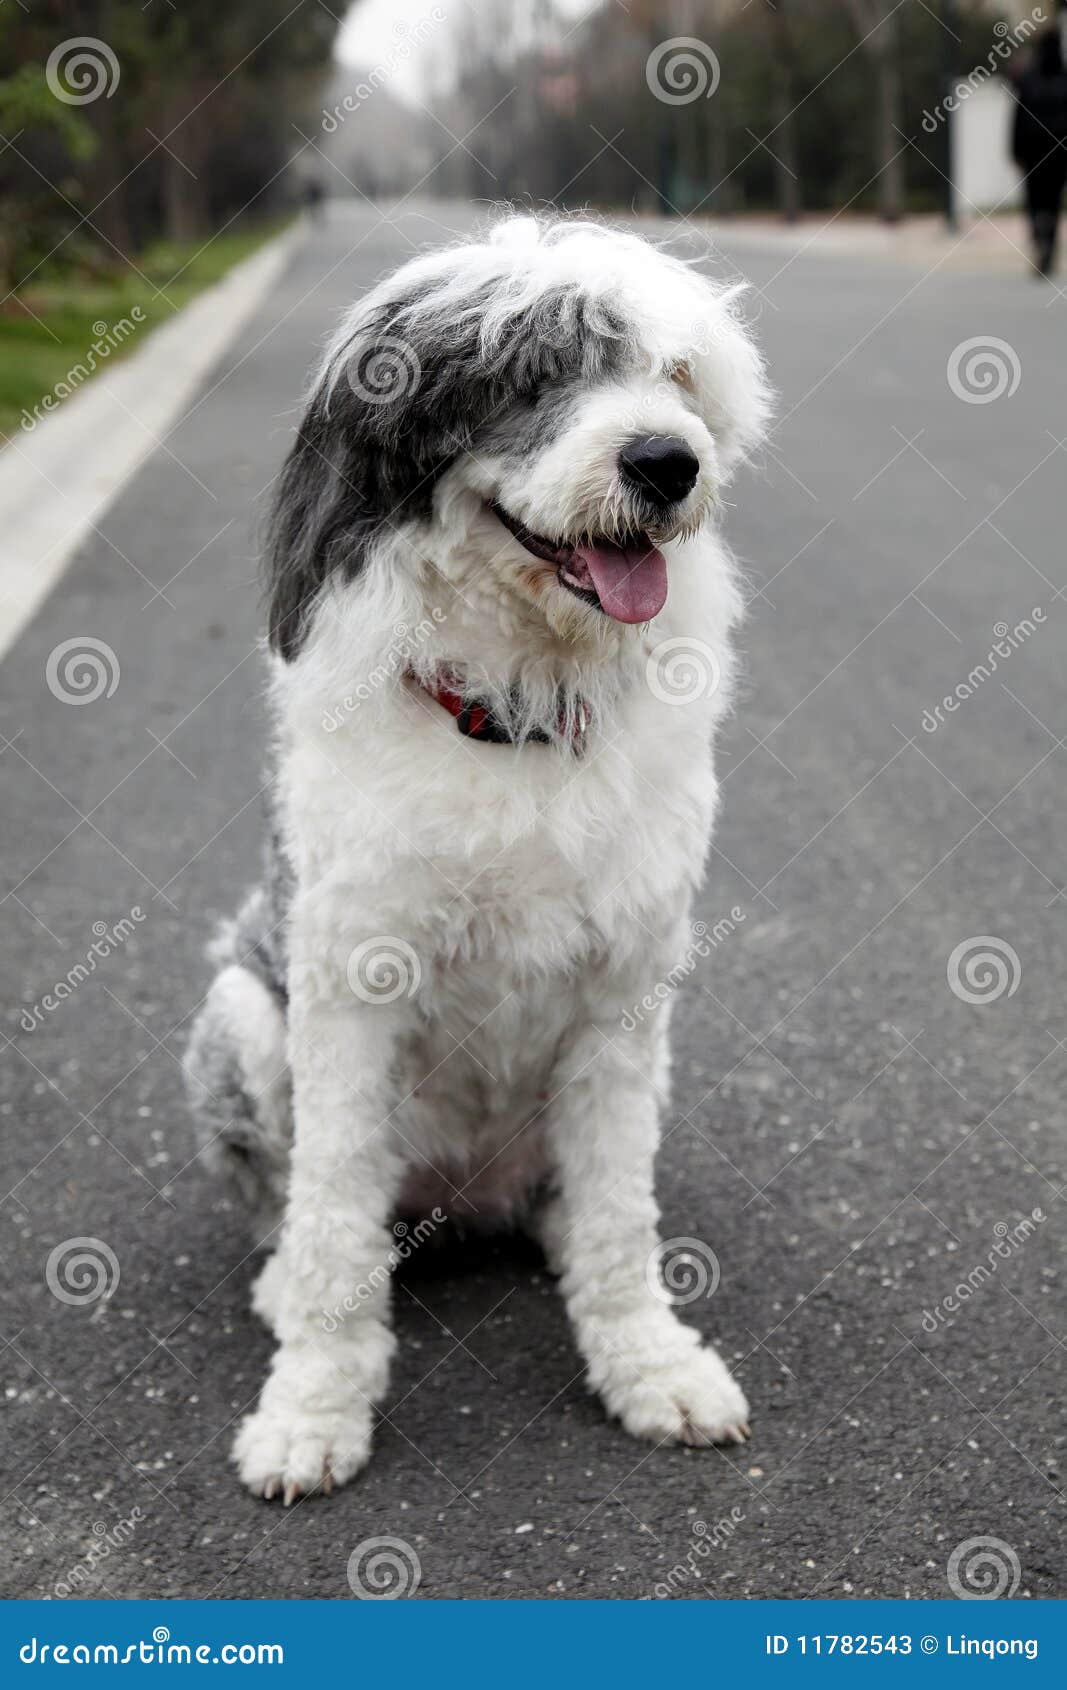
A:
(372, 446)
(532, 425)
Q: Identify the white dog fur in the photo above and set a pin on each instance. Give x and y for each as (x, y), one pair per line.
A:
(423, 1004)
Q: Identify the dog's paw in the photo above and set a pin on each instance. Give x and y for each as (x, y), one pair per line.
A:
(689, 1398)
(292, 1452)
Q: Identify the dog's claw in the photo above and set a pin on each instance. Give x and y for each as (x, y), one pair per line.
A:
(272, 1487)
(692, 1434)
(698, 1437)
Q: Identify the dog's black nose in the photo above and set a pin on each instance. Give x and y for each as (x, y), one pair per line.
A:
(660, 466)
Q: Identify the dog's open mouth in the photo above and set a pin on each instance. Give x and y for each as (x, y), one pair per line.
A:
(626, 578)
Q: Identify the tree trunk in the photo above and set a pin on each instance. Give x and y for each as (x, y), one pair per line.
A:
(108, 188)
(783, 142)
(890, 139)
(184, 136)
(184, 201)
(876, 22)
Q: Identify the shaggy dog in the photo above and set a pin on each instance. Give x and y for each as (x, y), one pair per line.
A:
(493, 544)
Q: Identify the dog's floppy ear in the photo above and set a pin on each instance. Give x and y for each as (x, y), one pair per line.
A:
(314, 522)
(391, 409)
(346, 475)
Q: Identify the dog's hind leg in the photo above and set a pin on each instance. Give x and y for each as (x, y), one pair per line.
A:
(547, 1226)
(238, 1081)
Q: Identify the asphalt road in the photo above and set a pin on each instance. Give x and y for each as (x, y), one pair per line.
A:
(859, 1135)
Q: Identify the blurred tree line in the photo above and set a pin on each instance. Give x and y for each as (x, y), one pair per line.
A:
(121, 120)
(806, 104)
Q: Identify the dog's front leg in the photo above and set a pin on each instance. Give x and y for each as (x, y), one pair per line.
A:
(649, 1369)
(329, 1290)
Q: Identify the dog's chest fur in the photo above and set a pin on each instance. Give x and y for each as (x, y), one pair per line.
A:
(525, 882)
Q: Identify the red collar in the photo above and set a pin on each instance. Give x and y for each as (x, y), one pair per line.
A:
(475, 719)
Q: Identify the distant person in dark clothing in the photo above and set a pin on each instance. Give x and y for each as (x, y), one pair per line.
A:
(1039, 144)
(314, 194)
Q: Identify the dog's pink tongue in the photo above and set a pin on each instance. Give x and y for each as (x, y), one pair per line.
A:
(631, 581)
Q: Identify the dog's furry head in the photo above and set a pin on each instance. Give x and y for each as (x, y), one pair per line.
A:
(534, 414)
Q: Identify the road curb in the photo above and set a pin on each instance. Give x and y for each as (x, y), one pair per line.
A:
(57, 479)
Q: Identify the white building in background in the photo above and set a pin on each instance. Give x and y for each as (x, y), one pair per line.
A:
(986, 175)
